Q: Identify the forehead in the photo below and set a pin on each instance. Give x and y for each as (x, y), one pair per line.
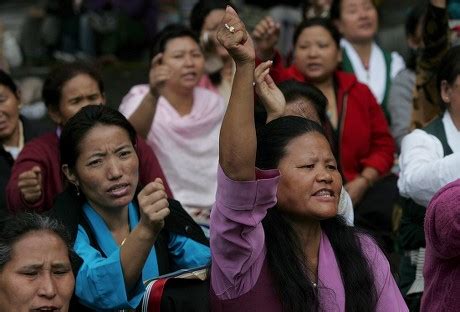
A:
(309, 145)
(4, 89)
(314, 33)
(38, 246)
(180, 43)
(103, 137)
(80, 83)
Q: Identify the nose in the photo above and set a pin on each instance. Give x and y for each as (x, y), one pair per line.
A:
(114, 171)
(47, 286)
(312, 52)
(188, 60)
(324, 176)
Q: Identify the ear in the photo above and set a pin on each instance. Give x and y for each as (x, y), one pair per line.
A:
(55, 116)
(445, 92)
(70, 175)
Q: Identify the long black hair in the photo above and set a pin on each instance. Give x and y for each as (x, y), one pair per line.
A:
(414, 18)
(285, 255)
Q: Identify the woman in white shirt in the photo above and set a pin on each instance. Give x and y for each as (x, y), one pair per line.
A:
(430, 159)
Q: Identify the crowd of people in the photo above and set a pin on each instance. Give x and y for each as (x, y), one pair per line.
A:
(323, 181)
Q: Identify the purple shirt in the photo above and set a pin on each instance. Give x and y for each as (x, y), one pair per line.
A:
(442, 256)
(238, 247)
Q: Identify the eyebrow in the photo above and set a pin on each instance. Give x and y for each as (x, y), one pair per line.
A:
(102, 154)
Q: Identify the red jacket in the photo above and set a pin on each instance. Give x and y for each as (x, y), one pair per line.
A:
(44, 152)
(364, 137)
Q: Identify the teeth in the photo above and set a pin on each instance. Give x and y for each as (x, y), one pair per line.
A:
(324, 193)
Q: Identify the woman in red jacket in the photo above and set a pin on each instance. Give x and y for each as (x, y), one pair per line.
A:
(364, 143)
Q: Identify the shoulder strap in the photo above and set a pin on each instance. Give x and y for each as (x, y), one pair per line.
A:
(436, 128)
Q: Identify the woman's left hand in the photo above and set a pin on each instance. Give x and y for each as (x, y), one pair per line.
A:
(356, 189)
(232, 35)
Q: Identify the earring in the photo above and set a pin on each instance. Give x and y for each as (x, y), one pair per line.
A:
(78, 190)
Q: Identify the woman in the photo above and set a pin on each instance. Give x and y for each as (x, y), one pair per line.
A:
(204, 20)
(293, 98)
(276, 240)
(180, 121)
(108, 224)
(357, 21)
(15, 131)
(35, 265)
(362, 137)
(442, 265)
(428, 161)
(36, 177)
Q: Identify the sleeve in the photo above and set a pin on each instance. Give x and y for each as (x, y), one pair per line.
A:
(100, 283)
(442, 222)
(397, 64)
(382, 146)
(400, 104)
(133, 99)
(389, 296)
(149, 166)
(29, 157)
(237, 235)
(187, 253)
(424, 169)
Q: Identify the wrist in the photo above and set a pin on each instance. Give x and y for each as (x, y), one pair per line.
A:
(369, 181)
(146, 232)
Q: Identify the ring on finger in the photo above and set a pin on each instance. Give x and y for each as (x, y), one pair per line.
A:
(230, 28)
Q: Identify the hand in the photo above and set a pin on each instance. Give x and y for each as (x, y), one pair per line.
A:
(356, 189)
(158, 75)
(30, 185)
(153, 206)
(271, 96)
(237, 42)
(266, 35)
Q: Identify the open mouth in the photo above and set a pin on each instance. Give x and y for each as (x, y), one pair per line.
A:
(190, 76)
(118, 189)
(325, 193)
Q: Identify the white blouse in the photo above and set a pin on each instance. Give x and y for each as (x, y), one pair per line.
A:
(424, 169)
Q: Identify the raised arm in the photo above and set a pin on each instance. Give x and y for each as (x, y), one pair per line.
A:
(142, 117)
(237, 143)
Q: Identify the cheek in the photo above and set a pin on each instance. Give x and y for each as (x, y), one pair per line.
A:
(15, 293)
(66, 287)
